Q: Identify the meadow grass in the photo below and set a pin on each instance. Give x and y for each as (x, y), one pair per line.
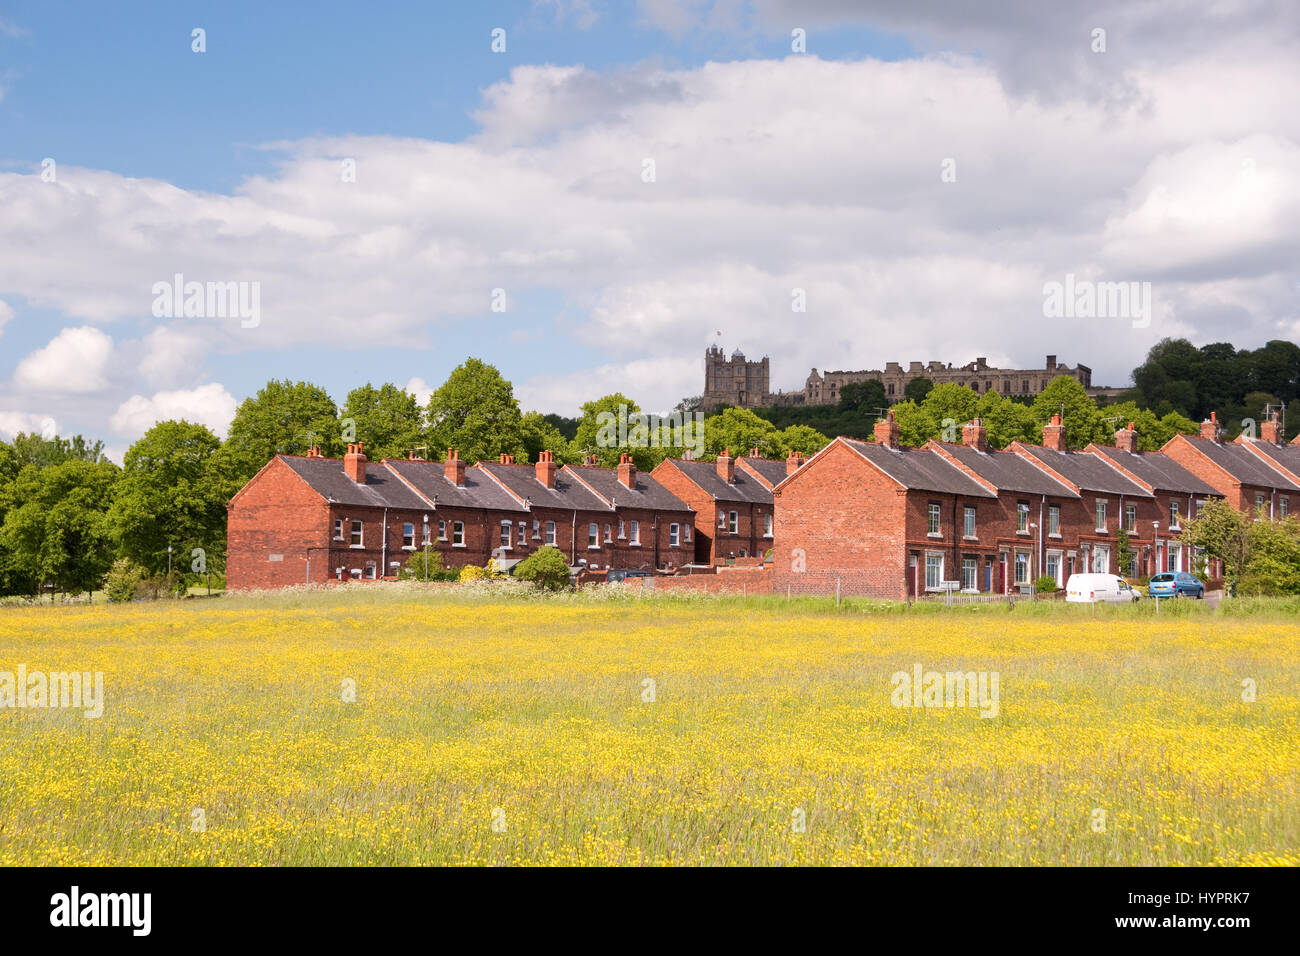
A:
(481, 704)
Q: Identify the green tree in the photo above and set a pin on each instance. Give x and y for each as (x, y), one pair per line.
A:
(1224, 533)
(608, 428)
(739, 430)
(283, 417)
(475, 412)
(122, 580)
(863, 398)
(807, 441)
(546, 567)
(55, 528)
(916, 426)
(426, 566)
(386, 420)
(1123, 552)
(955, 403)
(172, 491)
(540, 435)
(1006, 421)
(1273, 565)
(917, 389)
(1064, 396)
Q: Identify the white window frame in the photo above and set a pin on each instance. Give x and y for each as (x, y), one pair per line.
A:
(733, 522)
(1022, 517)
(674, 535)
(458, 534)
(442, 529)
(767, 526)
(970, 566)
(507, 535)
(933, 556)
(408, 537)
(1053, 521)
(338, 529)
(1131, 519)
(968, 526)
(687, 536)
(1020, 560)
(634, 534)
(1100, 509)
(357, 536)
(593, 536)
(621, 532)
(934, 520)
(550, 533)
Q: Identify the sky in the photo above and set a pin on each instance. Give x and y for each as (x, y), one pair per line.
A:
(588, 194)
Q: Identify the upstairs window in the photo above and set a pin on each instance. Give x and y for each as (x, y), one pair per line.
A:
(505, 534)
(1022, 516)
(733, 523)
(1101, 515)
(1131, 518)
(1053, 519)
(550, 533)
(674, 535)
(408, 535)
(593, 535)
(767, 526)
(634, 527)
(338, 529)
(442, 530)
(934, 517)
(968, 521)
(356, 534)
(1175, 514)
(458, 534)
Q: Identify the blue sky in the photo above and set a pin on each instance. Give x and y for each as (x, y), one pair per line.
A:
(519, 169)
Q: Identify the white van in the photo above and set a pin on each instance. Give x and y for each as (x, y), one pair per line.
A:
(1090, 588)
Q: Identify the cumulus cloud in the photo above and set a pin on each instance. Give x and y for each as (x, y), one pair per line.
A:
(770, 176)
(11, 423)
(421, 389)
(75, 362)
(209, 405)
(6, 313)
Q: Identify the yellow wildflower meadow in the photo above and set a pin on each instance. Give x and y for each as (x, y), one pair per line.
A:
(401, 726)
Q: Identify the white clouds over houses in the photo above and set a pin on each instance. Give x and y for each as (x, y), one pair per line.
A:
(76, 362)
(209, 405)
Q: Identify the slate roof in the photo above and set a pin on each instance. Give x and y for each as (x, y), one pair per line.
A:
(567, 493)
(745, 488)
(328, 479)
(648, 493)
(1157, 469)
(1007, 471)
(479, 490)
(1087, 471)
(773, 471)
(1241, 463)
(921, 469)
(1287, 456)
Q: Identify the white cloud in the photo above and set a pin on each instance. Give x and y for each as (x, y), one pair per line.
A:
(209, 405)
(421, 389)
(172, 356)
(11, 423)
(6, 313)
(74, 362)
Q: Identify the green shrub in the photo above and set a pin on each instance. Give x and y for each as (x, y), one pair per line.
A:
(122, 580)
(1046, 585)
(415, 568)
(547, 568)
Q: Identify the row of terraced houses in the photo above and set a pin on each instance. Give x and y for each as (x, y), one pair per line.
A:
(869, 518)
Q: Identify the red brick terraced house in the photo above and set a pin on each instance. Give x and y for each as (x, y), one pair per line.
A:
(1284, 458)
(733, 506)
(1179, 494)
(874, 519)
(1025, 531)
(1244, 473)
(645, 525)
(1108, 500)
(766, 471)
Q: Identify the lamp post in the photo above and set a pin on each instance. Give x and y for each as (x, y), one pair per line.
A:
(426, 549)
(1155, 550)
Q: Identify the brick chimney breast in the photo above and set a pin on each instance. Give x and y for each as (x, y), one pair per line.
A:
(975, 435)
(727, 467)
(626, 471)
(545, 469)
(1126, 439)
(454, 468)
(1054, 434)
(354, 463)
(1271, 430)
(1210, 427)
(793, 462)
(887, 431)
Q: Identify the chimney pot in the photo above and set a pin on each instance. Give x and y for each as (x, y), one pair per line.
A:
(1054, 434)
(727, 467)
(454, 468)
(887, 431)
(792, 462)
(1126, 439)
(974, 434)
(354, 463)
(1210, 427)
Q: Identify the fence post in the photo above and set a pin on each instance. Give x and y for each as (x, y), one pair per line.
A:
(837, 592)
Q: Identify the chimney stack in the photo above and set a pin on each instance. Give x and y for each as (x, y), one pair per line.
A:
(454, 468)
(753, 452)
(626, 471)
(1271, 430)
(975, 435)
(589, 461)
(314, 452)
(1054, 434)
(506, 459)
(354, 463)
(1210, 427)
(727, 467)
(793, 462)
(545, 469)
(887, 431)
(1126, 439)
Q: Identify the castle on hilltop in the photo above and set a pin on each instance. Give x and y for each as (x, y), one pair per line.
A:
(738, 381)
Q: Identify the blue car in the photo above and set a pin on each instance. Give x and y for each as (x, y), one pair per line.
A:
(1175, 584)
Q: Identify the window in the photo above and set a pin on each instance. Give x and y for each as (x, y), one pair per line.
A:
(733, 523)
(505, 534)
(1131, 518)
(1175, 514)
(356, 534)
(523, 534)
(1022, 517)
(1054, 519)
(891, 388)
(1101, 514)
(1200, 506)
(674, 535)
(537, 529)
(370, 570)
(968, 521)
(1053, 563)
(688, 534)
(634, 528)
(767, 525)
(550, 533)
(969, 574)
(593, 535)
(442, 530)
(1259, 505)
(408, 535)
(1101, 561)
(934, 517)
(933, 571)
(608, 539)
(1022, 567)
(621, 535)
(458, 534)
(1281, 507)
(338, 529)
(1175, 557)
